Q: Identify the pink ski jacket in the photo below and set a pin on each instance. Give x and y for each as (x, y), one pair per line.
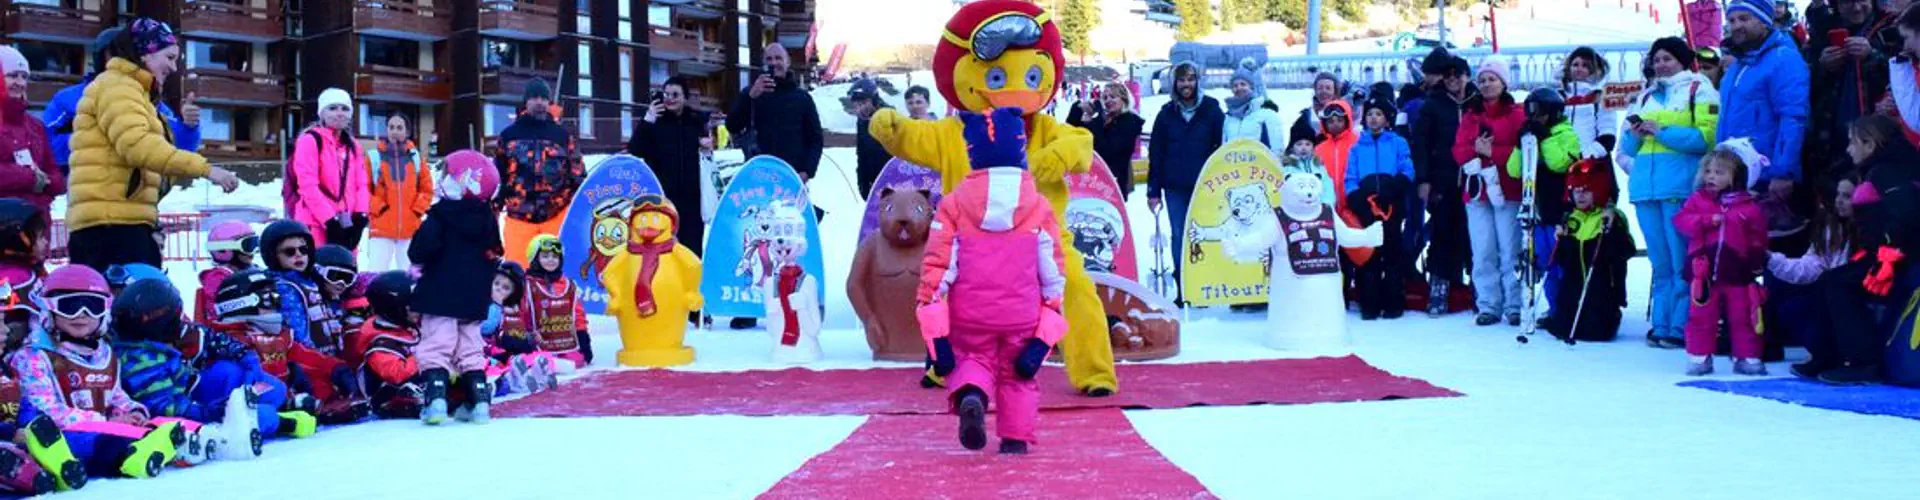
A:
(993, 254)
(1736, 248)
(329, 178)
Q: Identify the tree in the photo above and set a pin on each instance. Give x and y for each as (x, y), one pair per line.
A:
(1351, 10)
(1077, 19)
(1196, 19)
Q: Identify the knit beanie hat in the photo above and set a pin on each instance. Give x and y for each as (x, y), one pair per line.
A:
(1249, 70)
(1382, 103)
(12, 60)
(152, 36)
(1437, 62)
(1762, 9)
(1500, 66)
(538, 88)
(1672, 45)
(333, 96)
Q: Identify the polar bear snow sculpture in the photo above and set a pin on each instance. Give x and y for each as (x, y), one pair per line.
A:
(1304, 238)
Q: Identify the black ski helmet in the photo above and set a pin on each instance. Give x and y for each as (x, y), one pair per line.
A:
(147, 310)
(390, 297)
(339, 264)
(20, 224)
(1546, 102)
(278, 232)
(516, 275)
(246, 294)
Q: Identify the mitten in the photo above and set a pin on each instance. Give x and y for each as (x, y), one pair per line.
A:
(586, 345)
(1880, 281)
(1031, 357)
(942, 357)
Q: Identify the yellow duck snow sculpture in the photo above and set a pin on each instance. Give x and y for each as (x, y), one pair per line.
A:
(652, 286)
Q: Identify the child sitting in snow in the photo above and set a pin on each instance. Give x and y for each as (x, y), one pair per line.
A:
(320, 383)
(456, 248)
(1726, 250)
(247, 308)
(991, 286)
(38, 453)
(1591, 256)
(389, 373)
(553, 306)
(336, 270)
(180, 370)
(232, 245)
(518, 366)
(1793, 304)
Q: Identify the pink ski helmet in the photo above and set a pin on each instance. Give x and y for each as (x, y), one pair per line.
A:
(75, 278)
(467, 174)
(232, 236)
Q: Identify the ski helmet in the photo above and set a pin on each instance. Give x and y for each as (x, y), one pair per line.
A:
(1546, 102)
(120, 275)
(20, 224)
(229, 237)
(75, 290)
(247, 295)
(516, 275)
(147, 309)
(278, 232)
(390, 295)
(467, 174)
(543, 243)
(335, 265)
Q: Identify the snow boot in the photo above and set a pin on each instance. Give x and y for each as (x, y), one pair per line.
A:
(548, 375)
(1486, 319)
(742, 323)
(1437, 299)
(1700, 368)
(1746, 366)
(1013, 447)
(48, 446)
(1513, 319)
(973, 419)
(298, 424)
(1810, 369)
(479, 397)
(20, 474)
(238, 435)
(435, 395)
(514, 380)
(1852, 375)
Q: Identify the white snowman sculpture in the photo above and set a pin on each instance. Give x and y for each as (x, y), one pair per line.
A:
(791, 296)
(1304, 238)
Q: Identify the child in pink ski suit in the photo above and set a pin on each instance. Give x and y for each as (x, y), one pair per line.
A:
(991, 285)
(1726, 250)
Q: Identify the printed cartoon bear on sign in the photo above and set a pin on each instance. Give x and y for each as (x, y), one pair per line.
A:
(1248, 211)
(886, 274)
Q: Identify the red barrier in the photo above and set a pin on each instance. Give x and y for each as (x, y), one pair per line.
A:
(180, 232)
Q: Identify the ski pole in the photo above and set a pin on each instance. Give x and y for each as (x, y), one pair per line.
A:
(1586, 281)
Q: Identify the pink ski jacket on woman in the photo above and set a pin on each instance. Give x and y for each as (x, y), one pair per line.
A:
(329, 178)
(993, 253)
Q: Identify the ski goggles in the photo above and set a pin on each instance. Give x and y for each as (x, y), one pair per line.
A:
(1004, 31)
(1708, 55)
(548, 245)
(337, 276)
(78, 304)
(249, 245)
(1333, 112)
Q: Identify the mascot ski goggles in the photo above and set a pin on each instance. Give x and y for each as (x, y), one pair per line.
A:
(337, 276)
(78, 304)
(999, 33)
(249, 245)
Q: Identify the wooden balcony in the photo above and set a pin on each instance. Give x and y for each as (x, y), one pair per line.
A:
(711, 58)
(235, 88)
(671, 2)
(674, 44)
(401, 85)
(233, 20)
(509, 84)
(28, 21)
(709, 10)
(794, 30)
(402, 19)
(239, 150)
(42, 85)
(519, 20)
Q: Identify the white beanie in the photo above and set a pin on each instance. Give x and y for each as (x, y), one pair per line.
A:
(1500, 66)
(334, 96)
(11, 60)
(1743, 148)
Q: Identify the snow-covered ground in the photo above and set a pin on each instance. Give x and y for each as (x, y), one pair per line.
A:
(1537, 421)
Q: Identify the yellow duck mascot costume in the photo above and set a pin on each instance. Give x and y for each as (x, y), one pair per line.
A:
(1007, 54)
(652, 286)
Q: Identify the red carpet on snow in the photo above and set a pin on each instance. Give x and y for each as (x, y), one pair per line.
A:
(1080, 454)
(894, 391)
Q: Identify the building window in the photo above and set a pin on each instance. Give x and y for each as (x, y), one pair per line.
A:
(373, 121)
(583, 18)
(511, 53)
(586, 121)
(389, 52)
(498, 116)
(659, 15)
(585, 56)
(626, 122)
(52, 57)
(219, 55)
(626, 20)
(658, 71)
(626, 75)
(216, 123)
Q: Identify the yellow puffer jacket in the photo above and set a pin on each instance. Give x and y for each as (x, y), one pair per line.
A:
(122, 152)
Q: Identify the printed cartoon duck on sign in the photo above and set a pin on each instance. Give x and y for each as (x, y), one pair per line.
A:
(1007, 54)
(609, 235)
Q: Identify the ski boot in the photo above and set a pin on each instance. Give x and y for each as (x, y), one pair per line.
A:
(302, 402)
(19, 473)
(196, 447)
(973, 420)
(1013, 447)
(298, 424)
(479, 407)
(148, 456)
(1437, 299)
(238, 435)
(515, 379)
(435, 395)
(48, 446)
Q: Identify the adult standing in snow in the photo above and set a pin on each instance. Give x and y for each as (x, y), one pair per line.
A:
(1765, 94)
(29, 173)
(780, 115)
(65, 105)
(919, 101)
(326, 184)
(1489, 133)
(1249, 114)
(1436, 175)
(1116, 131)
(1670, 127)
(1583, 80)
(539, 171)
(1849, 79)
(402, 192)
(123, 151)
(1326, 89)
(1185, 133)
(870, 157)
(1905, 82)
(670, 138)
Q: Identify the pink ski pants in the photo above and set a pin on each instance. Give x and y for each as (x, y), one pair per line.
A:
(1735, 303)
(984, 360)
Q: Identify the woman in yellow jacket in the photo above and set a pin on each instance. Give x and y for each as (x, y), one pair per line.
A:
(123, 152)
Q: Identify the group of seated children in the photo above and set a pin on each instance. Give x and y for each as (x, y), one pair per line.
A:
(276, 352)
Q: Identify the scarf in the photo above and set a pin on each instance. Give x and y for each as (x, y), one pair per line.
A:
(790, 275)
(649, 264)
(1239, 107)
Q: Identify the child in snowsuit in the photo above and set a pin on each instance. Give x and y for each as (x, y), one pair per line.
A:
(247, 309)
(233, 245)
(320, 382)
(517, 366)
(1726, 237)
(1559, 146)
(456, 248)
(1591, 258)
(38, 455)
(389, 373)
(181, 370)
(1379, 172)
(335, 270)
(553, 306)
(69, 372)
(991, 286)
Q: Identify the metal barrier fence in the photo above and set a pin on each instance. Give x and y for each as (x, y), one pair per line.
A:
(1533, 67)
(181, 238)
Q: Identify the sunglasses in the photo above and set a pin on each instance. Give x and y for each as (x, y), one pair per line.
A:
(78, 304)
(248, 245)
(994, 37)
(338, 276)
(298, 251)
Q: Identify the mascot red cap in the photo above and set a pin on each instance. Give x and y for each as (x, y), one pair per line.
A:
(970, 19)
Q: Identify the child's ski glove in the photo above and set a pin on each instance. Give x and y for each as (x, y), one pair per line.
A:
(942, 357)
(1880, 281)
(1031, 357)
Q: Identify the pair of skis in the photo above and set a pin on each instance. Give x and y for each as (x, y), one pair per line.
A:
(1161, 275)
(1529, 219)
